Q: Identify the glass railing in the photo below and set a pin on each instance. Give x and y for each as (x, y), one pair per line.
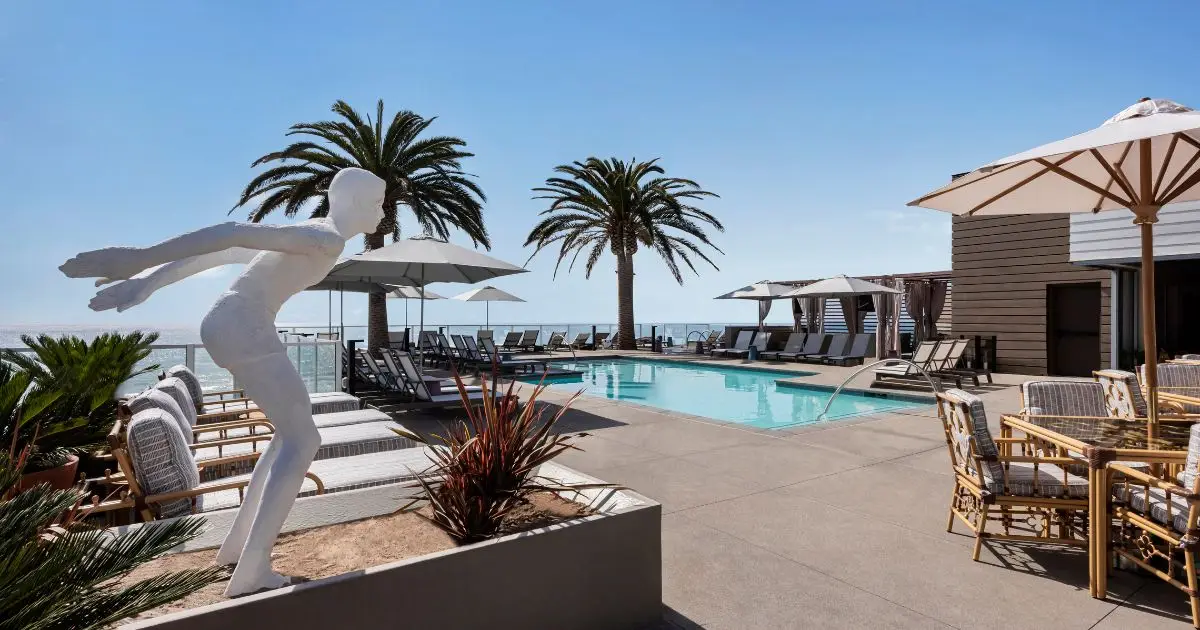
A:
(315, 360)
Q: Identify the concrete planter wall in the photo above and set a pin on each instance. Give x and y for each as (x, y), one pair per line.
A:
(603, 571)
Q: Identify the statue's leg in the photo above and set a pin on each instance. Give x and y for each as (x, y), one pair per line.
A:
(235, 540)
(273, 383)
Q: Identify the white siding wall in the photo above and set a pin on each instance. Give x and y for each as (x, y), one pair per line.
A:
(1111, 236)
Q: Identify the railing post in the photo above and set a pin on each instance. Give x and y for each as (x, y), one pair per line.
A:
(189, 357)
(337, 366)
(350, 343)
(316, 368)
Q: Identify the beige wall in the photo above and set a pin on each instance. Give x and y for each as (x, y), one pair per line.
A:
(1001, 266)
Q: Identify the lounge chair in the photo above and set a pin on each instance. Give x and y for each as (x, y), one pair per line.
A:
(814, 343)
(740, 346)
(512, 341)
(391, 360)
(599, 340)
(421, 392)
(528, 341)
(951, 364)
(373, 432)
(1017, 493)
(483, 333)
(580, 341)
(398, 339)
(491, 357)
(859, 349)
(793, 345)
(837, 347)
(923, 356)
(163, 480)
(556, 342)
(234, 400)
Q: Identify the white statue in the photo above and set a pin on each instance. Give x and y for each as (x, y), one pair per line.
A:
(239, 333)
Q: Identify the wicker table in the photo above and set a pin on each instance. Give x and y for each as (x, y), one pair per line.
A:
(1100, 441)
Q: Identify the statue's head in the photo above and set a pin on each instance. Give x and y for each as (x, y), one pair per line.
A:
(356, 201)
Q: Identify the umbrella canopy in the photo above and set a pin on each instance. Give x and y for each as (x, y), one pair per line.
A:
(840, 287)
(412, 293)
(487, 294)
(1145, 157)
(421, 261)
(763, 291)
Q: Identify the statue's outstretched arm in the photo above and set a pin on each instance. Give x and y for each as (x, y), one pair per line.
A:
(119, 263)
(129, 293)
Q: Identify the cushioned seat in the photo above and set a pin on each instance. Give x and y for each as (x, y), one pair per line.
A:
(325, 402)
(1048, 478)
(321, 420)
(340, 441)
(1136, 497)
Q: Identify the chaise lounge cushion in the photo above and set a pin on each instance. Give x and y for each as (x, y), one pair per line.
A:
(175, 386)
(157, 399)
(190, 381)
(161, 460)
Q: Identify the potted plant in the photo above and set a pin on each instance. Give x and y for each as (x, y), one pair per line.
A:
(81, 378)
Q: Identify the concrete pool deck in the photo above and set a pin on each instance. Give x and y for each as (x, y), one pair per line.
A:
(837, 525)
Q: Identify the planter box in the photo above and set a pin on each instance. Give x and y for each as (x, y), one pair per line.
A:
(603, 571)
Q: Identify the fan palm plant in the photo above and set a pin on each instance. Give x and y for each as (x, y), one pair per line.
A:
(617, 206)
(422, 173)
(83, 377)
(58, 573)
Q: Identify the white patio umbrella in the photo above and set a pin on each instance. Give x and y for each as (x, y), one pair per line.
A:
(764, 292)
(411, 293)
(420, 261)
(846, 287)
(487, 295)
(1143, 158)
(839, 287)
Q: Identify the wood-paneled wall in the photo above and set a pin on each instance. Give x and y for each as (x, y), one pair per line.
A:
(1001, 266)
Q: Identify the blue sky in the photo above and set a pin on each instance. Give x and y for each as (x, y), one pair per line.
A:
(128, 123)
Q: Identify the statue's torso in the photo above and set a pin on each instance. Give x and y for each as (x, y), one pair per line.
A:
(274, 277)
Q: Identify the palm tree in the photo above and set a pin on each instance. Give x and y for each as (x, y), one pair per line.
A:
(424, 174)
(621, 206)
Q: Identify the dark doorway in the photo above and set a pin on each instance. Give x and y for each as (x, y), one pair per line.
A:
(1073, 329)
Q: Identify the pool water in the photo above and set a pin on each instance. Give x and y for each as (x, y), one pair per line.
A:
(741, 396)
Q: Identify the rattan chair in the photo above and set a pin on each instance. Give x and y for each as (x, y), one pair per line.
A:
(1028, 497)
(1158, 528)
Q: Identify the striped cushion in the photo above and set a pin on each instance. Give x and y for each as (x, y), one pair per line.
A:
(1187, 477)
(1136, 497)
(1046, 481)
(158, 399)
(190, 381)
(1190, 357)
(161, 460)
(176, 388)
(993, 472)
(1183, 379)
(1064, 398)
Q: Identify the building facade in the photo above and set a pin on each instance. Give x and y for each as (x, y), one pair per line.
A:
(1060, 292)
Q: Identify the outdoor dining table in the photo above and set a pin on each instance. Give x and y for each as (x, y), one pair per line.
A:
(1098, 442)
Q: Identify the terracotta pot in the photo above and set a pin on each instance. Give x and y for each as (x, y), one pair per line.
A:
(59, 478)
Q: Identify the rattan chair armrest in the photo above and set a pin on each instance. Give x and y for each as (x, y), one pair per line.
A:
(240, 392)
(249, 439)
(236, 424)
(1145, 479)
(1012, 440)
(206, 488)
(228, 401)
(1019, 459)
(228, 459)
(203, 418)
(107, 506)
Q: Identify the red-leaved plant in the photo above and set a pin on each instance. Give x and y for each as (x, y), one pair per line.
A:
(487, 465)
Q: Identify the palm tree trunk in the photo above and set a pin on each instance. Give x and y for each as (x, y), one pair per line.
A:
(625, 303)
(377, 318)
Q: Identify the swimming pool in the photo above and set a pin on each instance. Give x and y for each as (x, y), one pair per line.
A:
(741, 396)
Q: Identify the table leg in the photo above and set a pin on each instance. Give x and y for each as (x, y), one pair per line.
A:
(1098, 526)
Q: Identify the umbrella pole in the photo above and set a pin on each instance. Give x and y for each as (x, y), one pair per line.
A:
(330, 331)
(341, 314)
(487, 314)
(1149, 340)
(421, 329)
